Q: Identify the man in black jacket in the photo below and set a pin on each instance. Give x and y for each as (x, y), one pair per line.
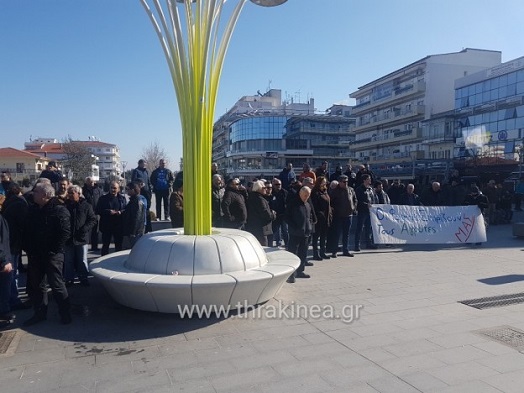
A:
(344, 204)
(83, 219)
(6, 276)
(14, 211)
(234, 205)
(365, 198)
(300, 220)
(133, 219)
(46, 232)
(278, 204)
(52, 173)
(110, 208)
(92, 194)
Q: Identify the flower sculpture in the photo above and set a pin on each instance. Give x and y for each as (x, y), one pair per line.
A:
(195, 266)
(195, 57)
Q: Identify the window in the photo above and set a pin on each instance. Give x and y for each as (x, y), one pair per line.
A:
(20, 167)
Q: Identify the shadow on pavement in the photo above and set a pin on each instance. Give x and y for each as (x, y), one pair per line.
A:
(98, 318)
(499, 280)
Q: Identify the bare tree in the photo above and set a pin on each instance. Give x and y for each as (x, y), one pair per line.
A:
(152, 154)
(77, 159)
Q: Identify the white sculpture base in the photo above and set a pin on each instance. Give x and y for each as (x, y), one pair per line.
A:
(167, 270)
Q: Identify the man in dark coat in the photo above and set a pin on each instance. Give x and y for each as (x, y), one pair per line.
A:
(395, 192)
(278, 204)
(83, 219)
(110, 208)
(92, 194)
(409, 197)
(6, 276)
(15, 211)
(133, 218)
(140, 173)
(52, 173)
(287, 176)
(234, 205)
(259, 214)
(322, 170)
(365, 198)
(344, 204)
(433, 195)
(47, 229)
(300, 223)
(217, 195)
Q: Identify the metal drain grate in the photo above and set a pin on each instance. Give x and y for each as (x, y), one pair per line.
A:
(6, 338)
(494, 301)
(507, 335)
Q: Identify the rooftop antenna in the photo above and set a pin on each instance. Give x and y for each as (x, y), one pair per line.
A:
(269, 85)
(298, 95)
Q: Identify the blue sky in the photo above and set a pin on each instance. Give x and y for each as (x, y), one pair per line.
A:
(81, 68)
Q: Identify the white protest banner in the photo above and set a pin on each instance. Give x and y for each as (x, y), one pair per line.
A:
(398, 224)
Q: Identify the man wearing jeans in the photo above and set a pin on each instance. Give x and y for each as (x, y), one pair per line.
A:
(343, 202)
(83, 219)
(162, 181)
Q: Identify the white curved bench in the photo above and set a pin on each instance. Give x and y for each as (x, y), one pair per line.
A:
(167, 270)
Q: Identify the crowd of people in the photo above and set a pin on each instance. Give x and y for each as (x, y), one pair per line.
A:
(55, 222)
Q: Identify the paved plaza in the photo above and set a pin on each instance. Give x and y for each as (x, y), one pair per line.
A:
(400, 328)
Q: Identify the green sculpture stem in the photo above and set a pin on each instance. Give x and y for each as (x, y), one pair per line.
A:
(195, 58)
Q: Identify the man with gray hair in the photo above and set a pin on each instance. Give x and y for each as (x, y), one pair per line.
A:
(45, 235)
(83, 219)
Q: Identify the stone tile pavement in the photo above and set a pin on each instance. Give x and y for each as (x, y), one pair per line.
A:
(410, 333)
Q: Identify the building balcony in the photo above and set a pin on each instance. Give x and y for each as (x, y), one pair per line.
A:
(259, 153)
(396, 157)
(388, 139)
(318, 131)
(395, 116)
(397, 95)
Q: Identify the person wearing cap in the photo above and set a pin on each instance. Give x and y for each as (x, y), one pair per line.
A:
(52, 173)
(141, 174)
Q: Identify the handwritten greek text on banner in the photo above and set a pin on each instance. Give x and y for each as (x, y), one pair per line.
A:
(396, 224)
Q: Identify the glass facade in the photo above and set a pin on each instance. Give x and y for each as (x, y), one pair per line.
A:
(491, 116)
(258, 134)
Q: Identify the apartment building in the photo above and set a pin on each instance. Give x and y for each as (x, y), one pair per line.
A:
(106, 156)
(392, 111)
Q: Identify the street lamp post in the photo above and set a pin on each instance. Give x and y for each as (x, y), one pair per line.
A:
(413, 155)
(124, 165)
(195, 59)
